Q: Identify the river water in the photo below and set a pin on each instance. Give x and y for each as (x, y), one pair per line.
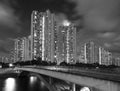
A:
(11, 82)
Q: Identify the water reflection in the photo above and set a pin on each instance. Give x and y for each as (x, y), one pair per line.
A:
(36, 84)
(42, 84)
(10, 84)
(33, 79)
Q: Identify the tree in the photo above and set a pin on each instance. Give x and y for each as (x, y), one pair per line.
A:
(63, 63)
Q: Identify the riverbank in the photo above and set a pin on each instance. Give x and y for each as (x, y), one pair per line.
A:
(6, 75)
(8, 72)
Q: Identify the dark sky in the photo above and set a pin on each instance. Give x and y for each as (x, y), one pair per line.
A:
(98, 20)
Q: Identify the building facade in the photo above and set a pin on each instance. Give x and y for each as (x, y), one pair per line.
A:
(82, 54)
(90, 53)
(11, 56)
(67, 44)
(35, 35)
(19, 49)
(105, 57)
(43, 35)
(22, 51)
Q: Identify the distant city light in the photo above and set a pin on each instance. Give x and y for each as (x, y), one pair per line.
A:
(10, 65)
(66, 23)
(55, 56)
(0, 66)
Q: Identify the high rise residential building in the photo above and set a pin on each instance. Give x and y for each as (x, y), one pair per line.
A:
(71, 44)
(2, 59)
(66, 43)
(105, 57)
(110, 58)
(116, 60)
(43, 32)
(92, 53)
(96, 53)
(29, 57)
(35, 35)
(15, 50)
(5, 59)
(27, 48)
(55, 41)
(19, 49)
(11, 56)
(82, 54)
(48, 36)
(89, 53)
(62, 44)
(22, 51)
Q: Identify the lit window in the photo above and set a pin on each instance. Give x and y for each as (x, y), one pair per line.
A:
(35, 34)
(35, 17)
(55, 56)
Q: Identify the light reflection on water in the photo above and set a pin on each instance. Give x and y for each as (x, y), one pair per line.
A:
(22, 84)
(33, 79)
(10, 84)
(42, 84)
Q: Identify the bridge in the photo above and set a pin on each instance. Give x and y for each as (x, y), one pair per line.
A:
(95, 80)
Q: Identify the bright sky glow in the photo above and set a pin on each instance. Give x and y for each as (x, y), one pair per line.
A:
(66, 23)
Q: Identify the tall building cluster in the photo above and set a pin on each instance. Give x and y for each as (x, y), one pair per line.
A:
(4, 59)
(53, 41)
(22, 49)
(49, 40)
(91, 53)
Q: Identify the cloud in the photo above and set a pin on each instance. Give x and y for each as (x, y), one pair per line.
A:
(113, 46)
(107, 35)
(99, 15)
(3, 50)
(117, 44)
(108, 45)
(5, 46)
(117, 38)
(8, 20)
(100, 22)
(10, 25)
